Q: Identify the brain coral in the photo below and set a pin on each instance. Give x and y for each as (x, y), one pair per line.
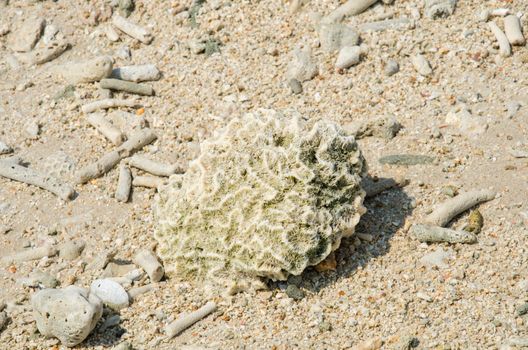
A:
(267, 197)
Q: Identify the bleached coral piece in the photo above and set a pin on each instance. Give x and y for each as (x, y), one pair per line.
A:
(267, 197)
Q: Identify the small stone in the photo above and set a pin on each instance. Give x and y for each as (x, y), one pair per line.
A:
(110, 292)
(69, 314)
(100, 261)
(87, 71)
(325, 326)
(449, 190)
(197, 46)
(302, 66)
(40, 278)
(32, 130)
(123, 53)
(26, 37)
(467, 124)
(294, 292)
(111, 321)
(391, 67)
(3, 320)
(125, 7)
(436, 259)
(475, 222)
(423, 296)
(123, 346)
(71, 250)
(328, 264)
(49, 33)
(421, 64)
(439, 8)
(512, 107)
(348, 57)
(407, 343)
(334, 36)
(523, 285)
(522, 309)
(295, 86)
(371, 344)
(406, 159)
(385, 127)
(5, 149)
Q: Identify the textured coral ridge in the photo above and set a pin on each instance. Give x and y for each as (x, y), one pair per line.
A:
(267, 197)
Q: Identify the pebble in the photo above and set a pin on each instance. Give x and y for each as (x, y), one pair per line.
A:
(125, 7)
(294, 292)
(391, 67)
(436, 258)
(423, 296)
(197, 46)
(71, 250)
(123, 346)
(26, 37)
(334, 36)
(295, 86)
(406, 159)
(50, 31)
(111, 321)
(384, 127)
(39, 278)
(123, 53)
(371, 344)
(421, 64)
(512, 107)
(110, 292)
(449, 190)
(100, 261)
(522, 309)
(466, 123)
(3, 320)
(69, 314)
(5, 149)
(439, 8)
(348, 57)
(522, 285)
(87, 71)
(302, 66)
(32, 130)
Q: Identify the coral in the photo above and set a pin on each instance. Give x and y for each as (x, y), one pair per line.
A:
(267, 197)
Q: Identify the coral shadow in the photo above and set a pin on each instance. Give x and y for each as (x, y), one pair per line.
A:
(386, 214)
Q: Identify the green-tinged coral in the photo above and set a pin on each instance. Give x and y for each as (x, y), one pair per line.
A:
(267, 197)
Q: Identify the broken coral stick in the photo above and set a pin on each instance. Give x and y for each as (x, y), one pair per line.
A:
(436, 234)
(188, 320)
(99, 122)
(350, 8)
(14, 171)
(106, 104)
(504, 45)
(446, 211)
(132, 29)
(151, 166)
(373, 188)
(137, 141)
(30, 254)
(145, 72)
(150, 263)
(124, 184)
(148, 181)
(513, 30)
(127, 86)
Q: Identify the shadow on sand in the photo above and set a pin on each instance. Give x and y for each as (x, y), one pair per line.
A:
(386, 213)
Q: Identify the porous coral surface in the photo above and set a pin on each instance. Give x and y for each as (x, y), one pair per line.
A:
(267, 197)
